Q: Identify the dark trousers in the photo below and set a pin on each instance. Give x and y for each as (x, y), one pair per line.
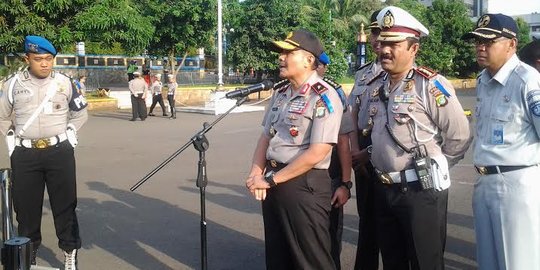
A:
(55, 168)
(155, 100)
(411, 226)
(367, 250)
(170, 98)
(130, 76)
(336, 214)
(296, 223)
(138, 107)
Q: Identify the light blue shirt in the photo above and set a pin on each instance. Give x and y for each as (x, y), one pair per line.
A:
(508, 116)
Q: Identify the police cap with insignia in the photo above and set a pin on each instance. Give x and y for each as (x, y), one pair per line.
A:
(492, 26)
(299, 39)
(324, 59)
(397, 25)
(39, 45)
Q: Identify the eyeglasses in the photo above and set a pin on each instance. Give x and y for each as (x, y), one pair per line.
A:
(487, 42)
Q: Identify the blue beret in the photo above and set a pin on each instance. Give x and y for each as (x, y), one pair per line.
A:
(40, 45)
(324, 58)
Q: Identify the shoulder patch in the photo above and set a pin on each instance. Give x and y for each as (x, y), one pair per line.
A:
(319, 88)
(426, 72)
(533, 100)
(332, 83)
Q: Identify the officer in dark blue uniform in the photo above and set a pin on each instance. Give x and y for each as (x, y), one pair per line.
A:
(40, 113)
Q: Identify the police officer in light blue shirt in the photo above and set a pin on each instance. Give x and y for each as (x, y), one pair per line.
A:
(506, 199)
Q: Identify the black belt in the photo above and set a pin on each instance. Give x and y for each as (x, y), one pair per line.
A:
(497, 169)
(276, 165)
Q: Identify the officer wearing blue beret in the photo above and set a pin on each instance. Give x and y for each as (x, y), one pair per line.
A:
(506, 201)
(40, 114)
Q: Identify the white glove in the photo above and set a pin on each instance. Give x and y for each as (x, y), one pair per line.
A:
(71, 133)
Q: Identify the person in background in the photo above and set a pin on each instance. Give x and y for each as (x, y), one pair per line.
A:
(132, 67)
(138, 89)
(340, 169)
(80, 83)
(171, 86)
(530, 54)
(157, 96)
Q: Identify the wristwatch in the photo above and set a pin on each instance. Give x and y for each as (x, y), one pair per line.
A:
(269, 177)
(347, 184)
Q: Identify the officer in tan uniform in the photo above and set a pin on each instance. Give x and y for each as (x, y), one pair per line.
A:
(289, 170)
(138, 89)
(40, 112)
(340, 169)
(367, 77)
(419, 131)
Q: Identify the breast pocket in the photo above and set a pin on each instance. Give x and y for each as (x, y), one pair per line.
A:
(299, 127)
(502, 127)
(59, 103)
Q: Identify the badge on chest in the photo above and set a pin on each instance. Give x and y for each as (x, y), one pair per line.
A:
(298, 105)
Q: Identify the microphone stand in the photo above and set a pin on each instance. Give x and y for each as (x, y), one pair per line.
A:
(201, 144)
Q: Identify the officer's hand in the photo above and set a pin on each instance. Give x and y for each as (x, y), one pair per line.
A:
(260, 194)
(355, 155)
(340, 197)
(255, 183)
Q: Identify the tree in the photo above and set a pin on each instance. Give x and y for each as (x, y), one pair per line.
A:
(444, 50)
(523, 33)
(260, 22)
(65, 22)
(181, 26)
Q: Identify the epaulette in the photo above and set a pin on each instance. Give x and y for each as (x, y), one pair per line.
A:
(364, 66)
(62, 73)
(9, 77)
(281, 85)
(425, 72)
(319, 88)
(332, 83)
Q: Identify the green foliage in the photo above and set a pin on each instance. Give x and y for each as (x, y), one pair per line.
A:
(65, 22)
(338, 64)
(444, 50)
(260, 22)
(523, 33)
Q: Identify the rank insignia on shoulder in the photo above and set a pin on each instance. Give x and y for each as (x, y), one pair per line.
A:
(426, 72)
(319, 88)
(332, 83)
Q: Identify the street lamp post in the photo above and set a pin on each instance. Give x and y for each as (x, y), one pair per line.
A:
(361, 51)
(220, 45)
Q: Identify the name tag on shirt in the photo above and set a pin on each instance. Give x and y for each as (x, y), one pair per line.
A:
(497, 137)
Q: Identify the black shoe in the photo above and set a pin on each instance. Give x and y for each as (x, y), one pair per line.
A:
(142, 119)
(172, 117)
(151, 114)
(132, 119)
(165, 114)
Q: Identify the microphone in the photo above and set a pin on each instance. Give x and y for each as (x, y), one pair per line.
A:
(242, 92)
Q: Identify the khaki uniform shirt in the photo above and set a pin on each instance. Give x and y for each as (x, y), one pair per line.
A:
(422, 109)
(67, 106)
(171, 88)
(296, 119)
(138, 86)
(367, 78)
(508, 116)
(156, 88)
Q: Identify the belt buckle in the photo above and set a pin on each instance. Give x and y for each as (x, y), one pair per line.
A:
(481, 170)
(41, 143)
(273, 163)
(386, 179)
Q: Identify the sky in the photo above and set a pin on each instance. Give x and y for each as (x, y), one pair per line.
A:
(514, 7)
